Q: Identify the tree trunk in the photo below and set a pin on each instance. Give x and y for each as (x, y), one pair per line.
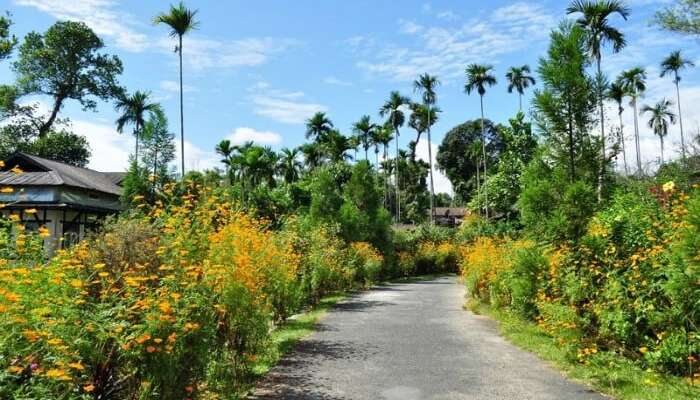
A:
(520, 102)
(432, 187)
(483, 148)
(366, 156)
(398, 184)
(622, 139)
(182, 115)
(136, 151)
(572, 163)
(662, 149)
(155, 170)
(46, 126)
(680, 118)
(636, 135)
(601, 168)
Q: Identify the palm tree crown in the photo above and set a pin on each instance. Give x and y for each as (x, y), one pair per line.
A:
(426, 85)
(364, 129)
(180, 19)
(594, 21)
(660, 119)
(674, 63)
(392, 109)
(318, 126)
(617, 93)
(519, 79)
(634, 81)
(479, 76)
(289, 164)
(133, 109)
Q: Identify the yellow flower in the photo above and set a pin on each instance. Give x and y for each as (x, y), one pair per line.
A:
(44, 232)
(643, 349)
(15, 369)
(7, 190)
(76, 365)
(150, 349)
(89, 388)
(103, 274)
(58, 374)
(30, 211)
(668, 187)
(17, 170)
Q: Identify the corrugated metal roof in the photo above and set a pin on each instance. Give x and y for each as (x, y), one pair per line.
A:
(56, 174)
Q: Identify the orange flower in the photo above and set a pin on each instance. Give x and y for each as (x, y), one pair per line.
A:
(151, 349)
(89, 388)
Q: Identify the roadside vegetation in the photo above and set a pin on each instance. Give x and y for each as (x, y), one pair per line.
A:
(588, 258)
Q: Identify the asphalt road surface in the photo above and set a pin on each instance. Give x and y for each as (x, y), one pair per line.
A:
(413, 341)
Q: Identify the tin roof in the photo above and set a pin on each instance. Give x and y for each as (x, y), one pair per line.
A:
(42, 172)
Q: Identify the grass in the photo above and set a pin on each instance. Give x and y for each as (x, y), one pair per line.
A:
(608, 373)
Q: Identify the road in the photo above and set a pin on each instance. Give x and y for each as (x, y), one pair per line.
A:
(413, 341)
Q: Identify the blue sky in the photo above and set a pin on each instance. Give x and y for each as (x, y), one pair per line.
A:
(257, 70)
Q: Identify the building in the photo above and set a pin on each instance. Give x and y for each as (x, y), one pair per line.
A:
(450, 216)
(68, 200)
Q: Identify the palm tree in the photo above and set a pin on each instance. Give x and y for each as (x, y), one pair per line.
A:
(364, 129)
(226, 150)
(426, 85)
(313, 155)
(617, 93)
(355, 142)
(519, 79)
(634, 83)
(318, 126)
(392, 109)
(289, 164)
(133, 111)
(594, 21)
(181, 20)
(674, 63)
(661, 117)
(336, 146)
(479, 76)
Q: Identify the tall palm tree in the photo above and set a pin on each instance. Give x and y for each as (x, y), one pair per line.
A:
(383, 137)
(337, 146)
(634, 82)
(594, 21)
(364, 129)
(617, 93)
(289, 165)
(392, 109)
(226, 150)
(318, 126)
(661, 118)
(133, 109)
(355, 142)
(674, 63)
(479, 76)
(519, 79)
(426, 85)
(181, 21)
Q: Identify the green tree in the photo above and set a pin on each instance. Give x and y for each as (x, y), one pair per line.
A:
(8, 41)
(519, 79)
(594, 20)
(159, 147)
(392, 109)
(426, 85)
(64, 63)
(683, 17)
(134, 110)
(318, 126)
(634, 82)
(661, 117)
(288, 165)
(313, 155)
(336, 146)
(563, 107)
(364, 130)
(181, 21)
(673, 64)
(362, 216)
(617, 93)
(479, 76)
(459, 155)
(226, 150)
(62, 146)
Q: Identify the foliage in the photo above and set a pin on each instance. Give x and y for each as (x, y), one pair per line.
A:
(65, 63)
(7, 40)
(60, 146)
(683, 16)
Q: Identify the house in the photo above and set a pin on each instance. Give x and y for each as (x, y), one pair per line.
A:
(450, 216)
(68, 200)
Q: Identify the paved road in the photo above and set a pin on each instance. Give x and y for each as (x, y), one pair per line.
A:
(413, 341)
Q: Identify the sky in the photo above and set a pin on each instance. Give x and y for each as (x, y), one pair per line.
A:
(257, 70)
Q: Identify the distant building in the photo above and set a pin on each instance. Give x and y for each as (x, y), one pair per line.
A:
(450, 216)
(68, 200)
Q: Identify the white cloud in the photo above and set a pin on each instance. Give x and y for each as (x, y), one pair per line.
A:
(172, 86)
(281, 106)
(331, 80)
(447, 15)
(441, 183)
(100, 15)
(445, 51)
(409, 27)
(244, 134)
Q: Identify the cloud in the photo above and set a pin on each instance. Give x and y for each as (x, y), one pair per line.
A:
(441, 183)
(100, 15)
(331, 80)
(172, 86)
(447, 15)
(445, 51)
(244, 134)
(124, 29)
(409, 27)
(282, 106)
